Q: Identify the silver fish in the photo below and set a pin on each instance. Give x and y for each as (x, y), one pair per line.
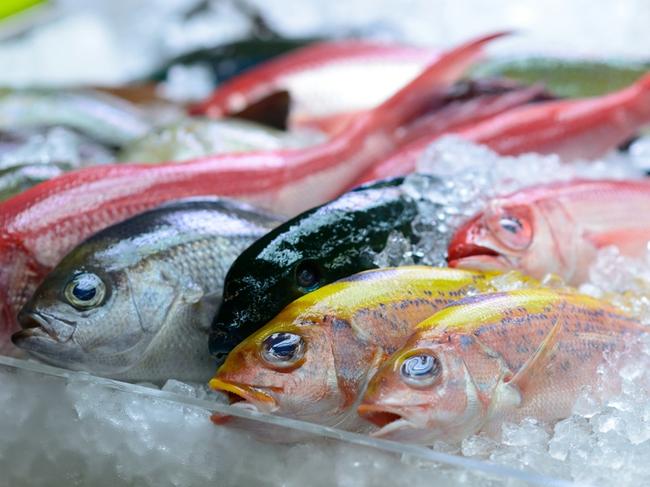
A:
(135, 301)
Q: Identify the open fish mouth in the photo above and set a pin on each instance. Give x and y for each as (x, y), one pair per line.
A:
(387, 421)
(243, 397)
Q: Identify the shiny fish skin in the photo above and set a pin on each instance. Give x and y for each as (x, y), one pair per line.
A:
(346, 329)
(497, 357)
(163, 272)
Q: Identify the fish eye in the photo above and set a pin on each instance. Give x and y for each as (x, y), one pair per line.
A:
(420, 370)
(283, 350)
(85, 290)
(307, 275)
(513, 230)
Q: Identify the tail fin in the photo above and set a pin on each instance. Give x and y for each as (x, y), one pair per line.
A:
(429, 87)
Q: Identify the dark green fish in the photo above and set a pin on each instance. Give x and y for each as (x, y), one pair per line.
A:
(315, 248)
(572, 78)
(135, 301)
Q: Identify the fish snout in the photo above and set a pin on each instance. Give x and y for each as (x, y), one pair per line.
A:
(43, 325)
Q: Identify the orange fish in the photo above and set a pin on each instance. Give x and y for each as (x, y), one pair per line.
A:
(495, 357)
(313, 360)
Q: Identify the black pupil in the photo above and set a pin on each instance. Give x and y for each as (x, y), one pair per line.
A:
(511, 224)
(282, 345)
(84, 289)
(307, 275)
(420, 366)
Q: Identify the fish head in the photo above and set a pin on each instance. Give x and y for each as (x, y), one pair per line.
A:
(424, 392)
(506, 235)
(300, 366)
(90, 315)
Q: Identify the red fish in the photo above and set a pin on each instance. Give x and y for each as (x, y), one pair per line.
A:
(556, 228)
(328, 82)
(573, 129)
(39, 226)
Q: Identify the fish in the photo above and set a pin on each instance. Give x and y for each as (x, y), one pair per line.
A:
(135, 301)
(556, 228)
(192, 138)
(312, 361)
(492, 358)
(324, 79)
(39, 226)
(584, 128)
(100, 116)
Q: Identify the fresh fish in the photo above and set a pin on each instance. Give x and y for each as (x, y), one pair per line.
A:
(195, 137)
(100, 116)
(40, 225)
(28, 158)
(493, 358)
(135, 301)
(566, 77)
(315, 248)
(574, 129)
(555, 228)
(323, 79)
(312, 361)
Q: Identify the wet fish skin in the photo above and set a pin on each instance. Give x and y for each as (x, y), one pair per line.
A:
(341, 333)
(555, 228)
(492, 358)
(162, 272)
(39, 226)
(323, 244)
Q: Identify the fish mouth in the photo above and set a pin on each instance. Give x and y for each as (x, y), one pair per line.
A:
(387, 421)
(242, 396)
(474, 256)
(42, 326)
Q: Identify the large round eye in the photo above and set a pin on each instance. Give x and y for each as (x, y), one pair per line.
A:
(85, 290)
(307, 275)
(283, 349)
(513, 229)
(420, 370)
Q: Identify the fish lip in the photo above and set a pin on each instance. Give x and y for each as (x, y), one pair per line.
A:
(58, 330)
(483, 262)
(389, 421)
(463, 250)
(250, 398)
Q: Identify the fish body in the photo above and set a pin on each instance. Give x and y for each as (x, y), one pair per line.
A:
(135, 301)
(555, 228)
(103, 117)
(492, 358)
(39, 226)
(312, 361)
(574, 129)
(323, 79)
(318, 247)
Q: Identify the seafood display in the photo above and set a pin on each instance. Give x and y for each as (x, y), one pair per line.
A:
(135, 301)
(495, 357)
(313, 359)
(38, 226)
(305, 242)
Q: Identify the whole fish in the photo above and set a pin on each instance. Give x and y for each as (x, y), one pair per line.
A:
(555, 228)
(135, 301)
(195, 137)
(492, 358)
(103, 117)
(312, 361)
(574, 129)
(323, 79)
(40, 225)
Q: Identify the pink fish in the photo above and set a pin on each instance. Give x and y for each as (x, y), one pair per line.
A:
(573, 129)
(328, 83)
(39, 226)
(556, 228)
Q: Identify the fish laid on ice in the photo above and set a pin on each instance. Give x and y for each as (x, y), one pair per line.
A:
(39, 226)
(312, 361)
(556, 228)
(492, 358)
(135, 301)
